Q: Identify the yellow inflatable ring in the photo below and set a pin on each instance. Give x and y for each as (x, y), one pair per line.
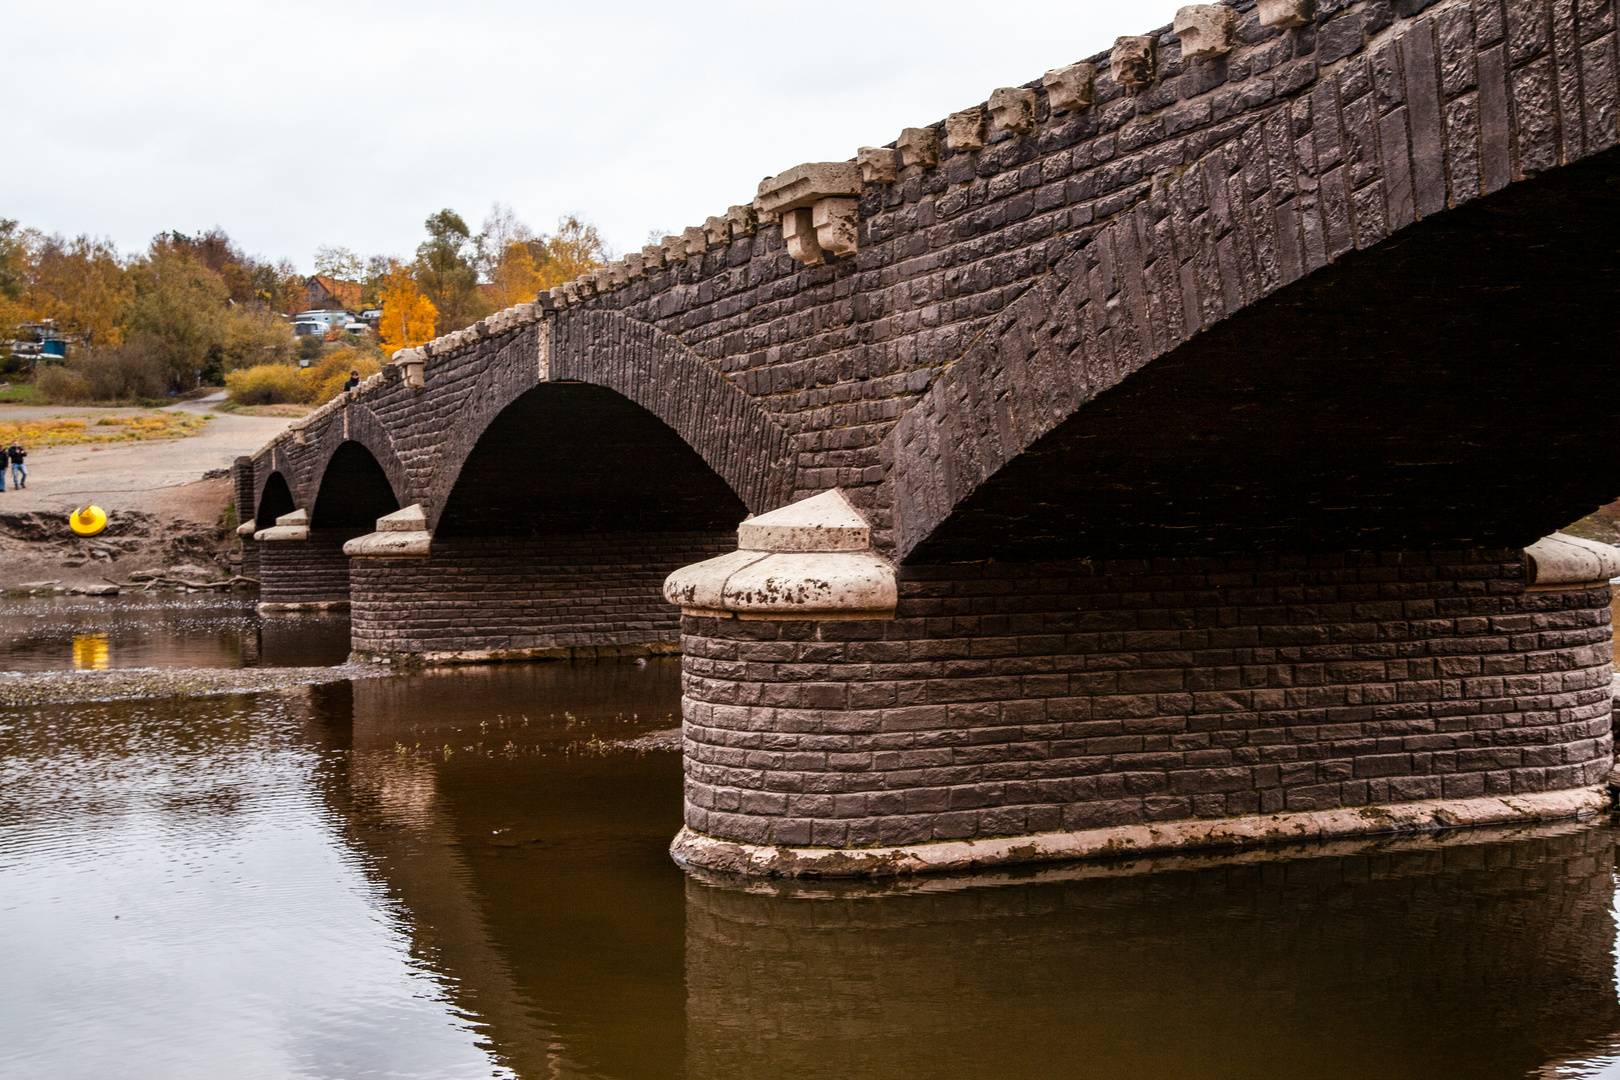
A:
(89, 521)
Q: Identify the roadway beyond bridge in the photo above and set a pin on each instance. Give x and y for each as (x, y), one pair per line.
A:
(1143, 459)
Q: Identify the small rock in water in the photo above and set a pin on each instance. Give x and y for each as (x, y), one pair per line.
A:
(100, 590)
(145, 575)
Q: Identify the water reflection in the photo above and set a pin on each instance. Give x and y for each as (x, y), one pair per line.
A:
(454, 874)
(1471, 960)
(90, 652)
(136, 630)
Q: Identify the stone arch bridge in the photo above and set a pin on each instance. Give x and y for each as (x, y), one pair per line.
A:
(1145, 457)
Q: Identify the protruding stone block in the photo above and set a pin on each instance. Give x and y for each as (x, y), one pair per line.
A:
(879, 164)
(288, 527)
(697, 241)
(652, 258)
(1134, 62)
(717, 230)
(1205, 31)
(400, 535)
(634, 265)
(1286, 13)
(247, 529)
(744, 221)
(964, 130)
(810, 560)
(616, 273)
(1069, 88)
(1561, 561)
(1012, 108)
(836, 225)
(918, 146)
(412, 366)
(674, 248)
(799, 236)
(807, 184)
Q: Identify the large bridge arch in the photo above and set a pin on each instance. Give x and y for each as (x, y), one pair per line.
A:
(726, 429)
(355, 490)
(1385, 400)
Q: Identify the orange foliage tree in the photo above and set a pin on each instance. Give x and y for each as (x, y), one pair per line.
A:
(516, 279)
(408, 317)
(576, 248)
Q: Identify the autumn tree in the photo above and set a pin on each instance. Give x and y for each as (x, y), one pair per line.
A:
(576, 248)
(81, 285)
(178, 310)
(447, 274)
(408, 317)
(13, 278)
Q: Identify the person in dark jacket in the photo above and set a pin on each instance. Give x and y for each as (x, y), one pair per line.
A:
(19, 472)
(354, 380)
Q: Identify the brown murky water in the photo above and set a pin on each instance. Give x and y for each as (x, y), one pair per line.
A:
(458, 875)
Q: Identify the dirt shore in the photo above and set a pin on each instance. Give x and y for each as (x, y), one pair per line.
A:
(161, 509)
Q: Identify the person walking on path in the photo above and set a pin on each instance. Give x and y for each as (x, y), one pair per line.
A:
(19, 472)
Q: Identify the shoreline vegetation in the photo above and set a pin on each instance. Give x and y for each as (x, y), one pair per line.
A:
(83, 324)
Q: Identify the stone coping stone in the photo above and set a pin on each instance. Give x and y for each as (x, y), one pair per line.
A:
(1562, 561)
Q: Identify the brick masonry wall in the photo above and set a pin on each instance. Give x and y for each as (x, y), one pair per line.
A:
(307, 571)
(510, 594)
(1010, 699)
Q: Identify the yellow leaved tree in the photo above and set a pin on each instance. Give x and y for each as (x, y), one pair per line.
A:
(408, 317)
(576, 248)
(517, 278)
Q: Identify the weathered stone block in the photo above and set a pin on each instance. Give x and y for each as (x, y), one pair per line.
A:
(1133, 62)
(744, 220)
(717, 230)
(807, 184)
(652, 257)
(1286, 13)
(674, 248)
(1012, 108)
(697, 241)
(837, 226)
(799, 235)
(1205, 30)
(964, 130)
(918, 146)
(1069, 88)
(879, 164)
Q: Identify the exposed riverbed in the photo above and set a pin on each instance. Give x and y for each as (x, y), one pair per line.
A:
(464, 874)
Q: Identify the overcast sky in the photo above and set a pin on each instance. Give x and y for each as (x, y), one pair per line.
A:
(296, 124)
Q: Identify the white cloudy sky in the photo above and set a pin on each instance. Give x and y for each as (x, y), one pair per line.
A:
(297, 123)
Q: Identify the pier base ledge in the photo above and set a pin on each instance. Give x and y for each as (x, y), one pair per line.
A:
(695, 850)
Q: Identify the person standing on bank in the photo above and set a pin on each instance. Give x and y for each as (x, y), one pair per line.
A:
(19, 472)
(354, 380)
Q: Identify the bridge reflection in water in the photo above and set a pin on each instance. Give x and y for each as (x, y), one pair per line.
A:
(533, 873)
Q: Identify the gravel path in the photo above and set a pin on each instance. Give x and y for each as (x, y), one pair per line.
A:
(60, 687)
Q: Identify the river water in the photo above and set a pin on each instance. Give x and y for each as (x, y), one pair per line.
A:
(464, 874)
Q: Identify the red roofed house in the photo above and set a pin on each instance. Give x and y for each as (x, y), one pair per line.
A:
(330, 294)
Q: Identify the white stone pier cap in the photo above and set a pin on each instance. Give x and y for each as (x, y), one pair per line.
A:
(293, 526)
(400, 535)
(1561, 561)
(810, 560)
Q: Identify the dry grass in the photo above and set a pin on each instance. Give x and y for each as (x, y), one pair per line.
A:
(71, 431)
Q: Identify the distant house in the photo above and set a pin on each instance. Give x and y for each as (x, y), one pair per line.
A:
(327, 293)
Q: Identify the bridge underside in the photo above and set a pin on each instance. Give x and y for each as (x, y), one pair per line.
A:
(567, 516)
(1452, 387)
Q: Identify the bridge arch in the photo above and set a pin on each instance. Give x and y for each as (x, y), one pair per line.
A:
(354, 490)
(1376, 390)
(275, 499)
